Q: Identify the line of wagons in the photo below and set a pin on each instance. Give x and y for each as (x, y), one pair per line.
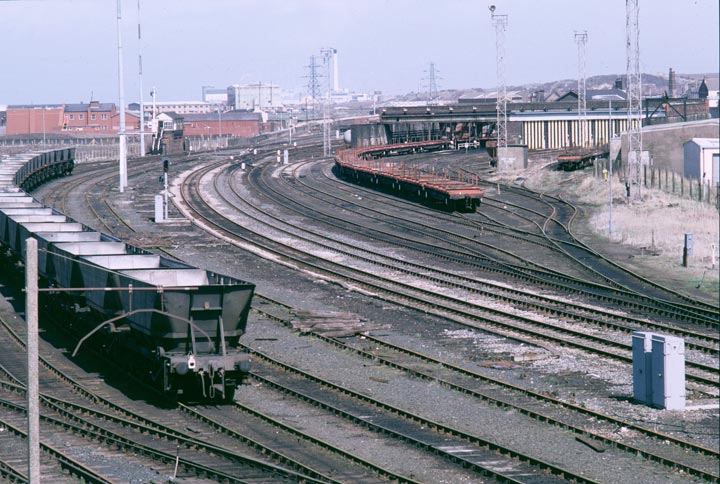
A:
(357, 166)
(175, 324)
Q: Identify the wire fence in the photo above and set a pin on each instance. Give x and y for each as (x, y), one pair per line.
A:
(83, 152)
(206, 143)
(704, 191)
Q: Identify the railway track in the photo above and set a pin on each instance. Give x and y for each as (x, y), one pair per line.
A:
(189, 467)
(89, 414)
(482, 456)
(600, 428)
(466, 282)
(530, 301)
(467, 311)
(556, 228)
(697, 312)
(315, 268)
(701, 314)
(390, 238)
(321, 458)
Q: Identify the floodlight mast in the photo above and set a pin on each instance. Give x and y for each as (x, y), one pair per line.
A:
(634, 97)
(327, 55)
(500, 23)
(140, 80)
(122, 141)
(581, 39)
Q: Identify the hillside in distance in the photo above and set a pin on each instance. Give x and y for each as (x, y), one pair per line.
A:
(653, 85)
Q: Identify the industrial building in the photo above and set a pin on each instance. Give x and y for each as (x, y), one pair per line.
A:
(242, 124)
(179, 107)
(253, 96)
(25, 119)
(214, 95)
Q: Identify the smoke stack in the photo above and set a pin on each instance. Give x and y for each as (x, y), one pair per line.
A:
(671, 83)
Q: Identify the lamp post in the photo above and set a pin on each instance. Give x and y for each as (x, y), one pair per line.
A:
(611, 164)
(219, 125)
(43, 119)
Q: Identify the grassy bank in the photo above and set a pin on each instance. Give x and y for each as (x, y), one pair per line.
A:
(650, 230)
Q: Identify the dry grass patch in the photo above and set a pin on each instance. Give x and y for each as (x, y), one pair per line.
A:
(655, 225)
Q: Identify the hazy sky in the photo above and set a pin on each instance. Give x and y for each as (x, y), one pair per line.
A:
(64, 50)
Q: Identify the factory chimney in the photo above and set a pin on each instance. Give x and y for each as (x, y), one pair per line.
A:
(671, 83)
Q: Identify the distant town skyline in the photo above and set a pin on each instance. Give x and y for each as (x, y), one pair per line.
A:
(66, 50)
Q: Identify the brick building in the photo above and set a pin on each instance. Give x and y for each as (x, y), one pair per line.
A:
(240, 124)
(25, 119)
(95, 116)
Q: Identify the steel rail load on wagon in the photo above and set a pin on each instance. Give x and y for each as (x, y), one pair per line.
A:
(372, 166)
(175, 323)
(577, 159)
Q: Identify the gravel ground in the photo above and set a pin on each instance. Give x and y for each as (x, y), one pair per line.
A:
(599, 384)
(389, 454)
(465, 413)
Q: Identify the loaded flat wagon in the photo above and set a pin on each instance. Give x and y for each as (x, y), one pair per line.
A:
(577, 159)
(175, 324)
(367, 166)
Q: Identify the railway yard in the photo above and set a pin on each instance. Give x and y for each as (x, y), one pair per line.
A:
(390, 341)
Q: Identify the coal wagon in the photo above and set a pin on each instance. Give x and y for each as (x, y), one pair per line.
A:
(175, 324)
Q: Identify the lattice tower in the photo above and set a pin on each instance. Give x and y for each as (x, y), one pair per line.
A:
(432, 86)
(581, 39)
(500, 23)
(314, 75)
(634, 95)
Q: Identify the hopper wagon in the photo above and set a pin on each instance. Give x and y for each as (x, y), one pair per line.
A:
(177, 325)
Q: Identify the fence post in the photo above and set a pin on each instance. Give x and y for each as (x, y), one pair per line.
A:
(700, 192)
(682, 186)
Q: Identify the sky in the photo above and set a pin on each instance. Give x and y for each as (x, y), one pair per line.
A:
(59, 51)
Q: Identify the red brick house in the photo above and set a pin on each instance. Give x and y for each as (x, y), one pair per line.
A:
(93, 117)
